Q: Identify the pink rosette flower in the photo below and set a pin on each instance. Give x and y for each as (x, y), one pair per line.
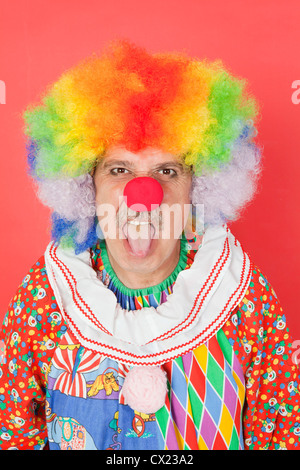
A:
(145, 389)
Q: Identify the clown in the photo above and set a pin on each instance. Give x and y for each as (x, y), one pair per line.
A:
(144, 159)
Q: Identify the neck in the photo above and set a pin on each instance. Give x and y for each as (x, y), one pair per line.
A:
(137, 279)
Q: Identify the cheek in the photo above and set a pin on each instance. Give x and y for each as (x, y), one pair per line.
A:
(107, 193)
(186, 194)
(178, 192)
(110, 210)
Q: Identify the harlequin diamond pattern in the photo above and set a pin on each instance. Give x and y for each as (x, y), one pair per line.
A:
(203, 410)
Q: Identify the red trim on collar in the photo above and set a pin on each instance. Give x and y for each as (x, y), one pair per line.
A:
(196, 341)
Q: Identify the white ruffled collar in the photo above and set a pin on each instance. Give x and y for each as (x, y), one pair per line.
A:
(203, 298)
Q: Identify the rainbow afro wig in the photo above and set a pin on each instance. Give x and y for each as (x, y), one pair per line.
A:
(128, 97)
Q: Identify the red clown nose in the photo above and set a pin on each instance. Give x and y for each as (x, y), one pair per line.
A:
(143, 194)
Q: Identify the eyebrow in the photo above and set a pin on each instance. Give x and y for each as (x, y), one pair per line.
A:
(170, 163)
(111, 163)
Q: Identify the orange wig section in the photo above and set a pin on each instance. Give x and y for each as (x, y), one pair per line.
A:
(129, 97)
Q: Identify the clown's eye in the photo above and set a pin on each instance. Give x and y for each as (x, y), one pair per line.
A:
(118, 171)
(167, 172)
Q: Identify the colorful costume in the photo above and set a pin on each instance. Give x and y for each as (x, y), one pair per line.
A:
(237, 388)
(213, 330)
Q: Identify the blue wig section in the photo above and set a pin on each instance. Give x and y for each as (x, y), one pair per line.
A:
(61, 227)
(31, 148)
(247, 131)
(64, 229)
(90, 240)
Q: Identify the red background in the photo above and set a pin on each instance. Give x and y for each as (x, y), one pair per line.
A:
(258, 40)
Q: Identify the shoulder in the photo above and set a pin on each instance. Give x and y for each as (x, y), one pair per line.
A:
(34, 306)
(260, 303)
(34, 289)
(35, 283)
(259, 319)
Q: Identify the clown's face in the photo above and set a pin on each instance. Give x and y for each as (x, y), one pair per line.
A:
(143, 247)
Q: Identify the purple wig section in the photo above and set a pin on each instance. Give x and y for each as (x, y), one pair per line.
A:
(225, 193)
(72, 200)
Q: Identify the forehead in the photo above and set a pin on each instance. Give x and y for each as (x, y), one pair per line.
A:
(145, 158)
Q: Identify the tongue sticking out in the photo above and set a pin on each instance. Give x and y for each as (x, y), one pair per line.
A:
(140, 237)
(142, 194)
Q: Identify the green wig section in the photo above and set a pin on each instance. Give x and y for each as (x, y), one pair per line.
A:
(46, 124)
(231, 111)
